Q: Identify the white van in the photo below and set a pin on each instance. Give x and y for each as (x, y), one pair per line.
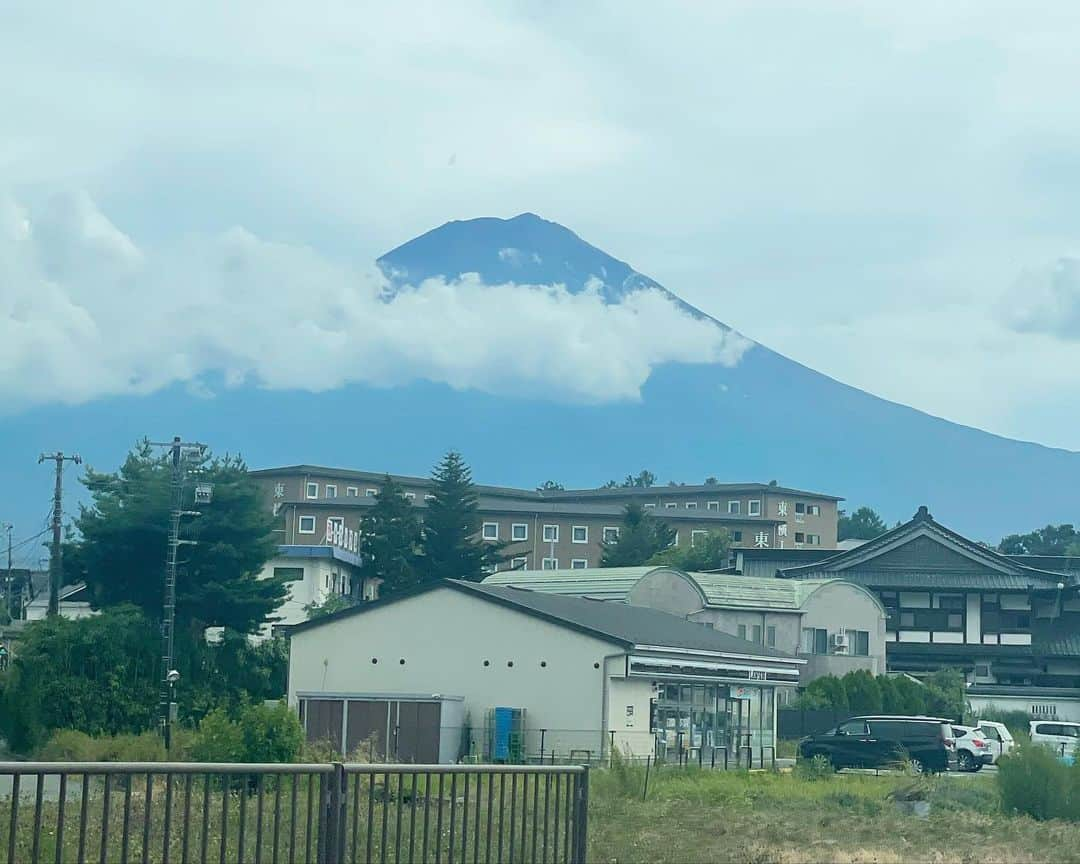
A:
(997, 736)
(1062, 737)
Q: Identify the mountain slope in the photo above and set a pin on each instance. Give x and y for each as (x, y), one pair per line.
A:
(765, 418)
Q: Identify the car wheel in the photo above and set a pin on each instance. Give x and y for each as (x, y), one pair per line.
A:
(965, 762)
(916, 766)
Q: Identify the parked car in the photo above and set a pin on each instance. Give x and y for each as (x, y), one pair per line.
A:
(881, 741)
(1061, 736)
(998, 737)
(972, 749)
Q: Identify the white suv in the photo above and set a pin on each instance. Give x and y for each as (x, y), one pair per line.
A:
(972, 749)
(1061, 737)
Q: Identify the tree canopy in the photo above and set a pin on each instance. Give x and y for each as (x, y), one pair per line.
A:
(863, 524)
(641, 538)
(550, 486)
(122, 540)
(706, 553)
(452, 546)
(390, 541)
(1051, 540)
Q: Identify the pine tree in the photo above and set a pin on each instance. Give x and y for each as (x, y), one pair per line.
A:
(390, 541)
(641, 538)
(451, 543)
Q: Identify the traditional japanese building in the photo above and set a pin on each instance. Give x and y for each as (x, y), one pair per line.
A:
(1013, 628)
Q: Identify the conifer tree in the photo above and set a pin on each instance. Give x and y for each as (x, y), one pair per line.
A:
(390, 541)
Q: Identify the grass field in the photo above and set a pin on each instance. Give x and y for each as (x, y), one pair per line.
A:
(693, 816)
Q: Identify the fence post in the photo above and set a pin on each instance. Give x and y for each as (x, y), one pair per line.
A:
(581, 817)
(333, 844)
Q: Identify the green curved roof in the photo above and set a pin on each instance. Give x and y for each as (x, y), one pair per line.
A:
(720, 590)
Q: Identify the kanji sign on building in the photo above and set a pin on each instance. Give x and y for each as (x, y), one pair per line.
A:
(761, 540)
(781, 508)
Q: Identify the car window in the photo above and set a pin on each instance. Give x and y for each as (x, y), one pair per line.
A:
(1047, 729)
(1070, 731)
(990, 732)
(914, 729)
(958, 732)
(889, 729)
(852, 727)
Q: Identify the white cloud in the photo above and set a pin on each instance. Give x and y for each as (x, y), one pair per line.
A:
(84, 313)
(1047, 300)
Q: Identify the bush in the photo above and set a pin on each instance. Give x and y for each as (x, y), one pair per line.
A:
(1033, 781)
(71, 745)
(260, 733)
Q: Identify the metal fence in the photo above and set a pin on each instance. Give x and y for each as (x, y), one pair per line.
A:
(337, 812)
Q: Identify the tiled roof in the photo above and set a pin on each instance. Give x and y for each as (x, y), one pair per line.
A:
(985, 581)
(1068, 646)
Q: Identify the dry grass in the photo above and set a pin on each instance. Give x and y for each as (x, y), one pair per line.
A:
(763, 818)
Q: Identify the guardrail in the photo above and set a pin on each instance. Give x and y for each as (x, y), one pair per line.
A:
(337, 812)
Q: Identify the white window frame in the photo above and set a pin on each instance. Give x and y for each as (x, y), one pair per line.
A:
(573, 533)
(691, 505)
(370, 493)
(712, 505)
(489, 568)
(330, 486)
(554, 562)
(697, 532)
(524, 533)
(579, 563)
(429, 497)
(816, 541)
(734, 508)
(484, 531)
(753, 508)
(608, 528)
(521, 559)
(813, 509)
(307, 489)
(555, 534)
(352, 492)
(675, 542)
(410, 496)
(671, 505)
(650, 506)
(300, 525)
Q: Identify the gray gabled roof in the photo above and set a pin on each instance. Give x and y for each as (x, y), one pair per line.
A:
(618, 623)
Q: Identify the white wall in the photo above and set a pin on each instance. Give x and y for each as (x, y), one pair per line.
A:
(303, 592)
(1066, 708)
(843, 606)
(444, 636)
(632, 733)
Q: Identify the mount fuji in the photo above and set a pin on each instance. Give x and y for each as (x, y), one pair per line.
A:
(749, 415)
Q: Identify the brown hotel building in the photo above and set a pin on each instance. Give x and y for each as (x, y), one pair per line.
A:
(561, 529)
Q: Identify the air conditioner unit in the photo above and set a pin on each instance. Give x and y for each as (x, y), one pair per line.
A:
(840, 641)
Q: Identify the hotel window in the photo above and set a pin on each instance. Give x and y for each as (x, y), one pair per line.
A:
(333, 521)
(519, 531)
(370, 493)
(695, 536)
(734, 508)
(800, 512)
(551, 564)
(289, 574)
(519, 563)
(813, 509)
(742, 631)
(770, 636)
(754, 508)
(650, 506)
(736, 536)
(691, 505)
(551, 534)
(579, 534)
(713, 505)
(672, 505)
(307, 525)
(756, 634)
(351, 492)
(815, 640)
(675, 542)
(429, 497)
(331, 490)
(800, 537)
(813, 539)
(611, 534)
(579, 563)
(410, 496)
(491, 531)
(312, 490)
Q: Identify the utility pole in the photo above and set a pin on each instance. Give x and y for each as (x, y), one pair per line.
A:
(178, 450)
(58, 508)
(7, 593)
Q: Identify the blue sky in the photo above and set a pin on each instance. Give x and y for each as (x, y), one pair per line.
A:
(884, 192)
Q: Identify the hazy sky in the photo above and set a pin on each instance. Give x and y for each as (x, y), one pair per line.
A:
(885, 192)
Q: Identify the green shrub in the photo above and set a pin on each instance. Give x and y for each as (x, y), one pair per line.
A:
(1033, 781)
(260, 733)
(71, 745)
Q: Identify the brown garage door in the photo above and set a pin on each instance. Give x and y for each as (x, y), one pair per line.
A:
(323, 720)
(366, 728)
(417, 732)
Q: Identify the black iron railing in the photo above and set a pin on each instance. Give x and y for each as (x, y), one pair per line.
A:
(338, 812)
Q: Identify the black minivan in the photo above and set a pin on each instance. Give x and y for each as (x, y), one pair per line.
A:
(926, 743)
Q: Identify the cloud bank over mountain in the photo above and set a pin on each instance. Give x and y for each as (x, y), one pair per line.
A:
(87, 312)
